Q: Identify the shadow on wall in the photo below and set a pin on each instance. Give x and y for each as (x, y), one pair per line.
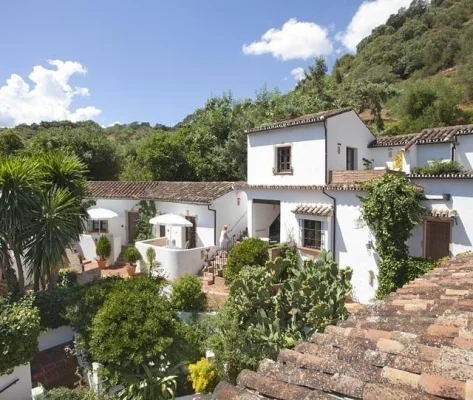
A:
(459, 233)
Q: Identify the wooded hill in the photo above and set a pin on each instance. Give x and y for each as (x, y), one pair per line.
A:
(413, 72)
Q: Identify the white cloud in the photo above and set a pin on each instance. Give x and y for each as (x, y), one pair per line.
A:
(298, 73)
(295, 40)
(369, 15)
(48, 99)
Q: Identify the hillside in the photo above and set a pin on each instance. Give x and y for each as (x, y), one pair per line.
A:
(413, 72)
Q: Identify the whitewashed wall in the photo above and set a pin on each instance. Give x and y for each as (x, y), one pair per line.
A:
(429, 152)
(461, 191)
(464, 151)
(350, 131)
(308, 155)
(55, 337)
(230, 213)
(21, 390)
(381, 156)
(351, 250)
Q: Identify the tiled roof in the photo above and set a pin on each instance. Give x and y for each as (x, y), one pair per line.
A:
(193, 192)
(323, 210)
(440, 213)
(388, 141)
(453, 175)
(442, 134)
(415, 344)
(302, 120)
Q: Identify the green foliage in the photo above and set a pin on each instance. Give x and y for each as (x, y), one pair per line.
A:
(251, 251)
(62, 393)
(146, 211)
(67, 278)
(103, 247)
(267, 311)
(19, 330)
(131, 255)
(151, 386)
(418, 266)
(465, 77)
(84, 302)
(10, 143)
(439, 166)
(391, 209)
(52, 305)
(150, 266)
(204, 376)
(151, 331)
(187, 293)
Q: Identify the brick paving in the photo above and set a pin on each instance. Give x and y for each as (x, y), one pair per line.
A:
(415, 344)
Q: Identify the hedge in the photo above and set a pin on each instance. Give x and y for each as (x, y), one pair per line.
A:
(51, 305)
(19, 330)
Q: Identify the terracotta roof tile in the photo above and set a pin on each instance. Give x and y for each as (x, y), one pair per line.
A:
(192, 192)
(391, 141)
(453, 175)
(440, 213)
(415, 344)
(324, 210)
(302, 120)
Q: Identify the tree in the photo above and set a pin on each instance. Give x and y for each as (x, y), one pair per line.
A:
(10, 143)
(465, 77)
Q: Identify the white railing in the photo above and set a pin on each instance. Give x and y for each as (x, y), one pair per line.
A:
(176, 262)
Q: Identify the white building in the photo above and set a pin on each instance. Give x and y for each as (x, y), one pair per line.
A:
(207, 205)
(305, 177)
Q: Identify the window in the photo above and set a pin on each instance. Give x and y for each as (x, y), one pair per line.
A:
(283, 159)
(351, 158)
(311, 234)
(162, 230)
(99, 226)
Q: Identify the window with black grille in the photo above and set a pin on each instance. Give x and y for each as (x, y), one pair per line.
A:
(284, 159)
(311, 234)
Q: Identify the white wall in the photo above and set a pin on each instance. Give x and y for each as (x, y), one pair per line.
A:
(307, 155)
(350, 131)
(409, 159)
(55, 337)
(430, 152)
(177, 262)
(464, 151)
(461, 191)
(351, 246)
(381, 157)
(230, 213)
(21, 390)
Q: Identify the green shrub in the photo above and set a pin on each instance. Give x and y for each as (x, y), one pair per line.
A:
(67, 278)
(418, 266)
(251, 251)
(62, 393)
(187, 293)
(19, 330)
(103, 248)
(439, 167)
(131, 255)
(136, 325)
(52, 305)
(85, 302)
(204, 376)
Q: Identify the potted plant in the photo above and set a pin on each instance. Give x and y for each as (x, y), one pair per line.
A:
(131, 256)
(103, 250)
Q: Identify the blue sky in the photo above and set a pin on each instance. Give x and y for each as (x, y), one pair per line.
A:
(158, 61)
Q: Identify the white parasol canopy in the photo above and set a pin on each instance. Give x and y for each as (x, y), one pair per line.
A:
(98, 213)
(170, 219)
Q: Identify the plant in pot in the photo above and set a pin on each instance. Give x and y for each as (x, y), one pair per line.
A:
(103, 250)
(131, 256)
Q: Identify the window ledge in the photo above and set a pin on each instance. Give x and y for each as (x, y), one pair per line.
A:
(310, 250)
(283, 173)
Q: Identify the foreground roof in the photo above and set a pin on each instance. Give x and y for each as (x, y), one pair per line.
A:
(302, 120)
(444, 134)
(192, 192)
(415, 344)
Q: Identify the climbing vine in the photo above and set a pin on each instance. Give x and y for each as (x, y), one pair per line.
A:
(391, 209)
(146, 211)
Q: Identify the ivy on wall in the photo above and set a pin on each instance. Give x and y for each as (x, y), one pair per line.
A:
(391, 209)
(146, 211)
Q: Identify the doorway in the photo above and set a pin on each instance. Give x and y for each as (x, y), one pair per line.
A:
(132, 226)
(191, 234)
(351, 159)
(437, 239)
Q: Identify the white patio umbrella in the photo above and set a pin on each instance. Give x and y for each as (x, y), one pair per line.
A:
(170, 220)
(98, 213)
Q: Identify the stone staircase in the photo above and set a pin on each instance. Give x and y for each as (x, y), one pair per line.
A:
(74, 260)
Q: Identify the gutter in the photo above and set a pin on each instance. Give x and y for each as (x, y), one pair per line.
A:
(334, 228)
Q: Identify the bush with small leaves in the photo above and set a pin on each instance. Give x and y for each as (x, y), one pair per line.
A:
(103, 248)
(187, 293)
(131, 255)
(252, 251)
(204, 376)
(67, 278)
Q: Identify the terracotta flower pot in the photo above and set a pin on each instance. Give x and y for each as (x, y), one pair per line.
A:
(131, 269)
(102, 263)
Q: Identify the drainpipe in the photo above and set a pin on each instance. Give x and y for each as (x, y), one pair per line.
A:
(454, 147)
(215, 223)
(326, 151)
(334, 228)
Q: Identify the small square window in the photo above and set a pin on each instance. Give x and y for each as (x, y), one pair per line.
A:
(284, 159)
(99, 226)
(311, 234)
